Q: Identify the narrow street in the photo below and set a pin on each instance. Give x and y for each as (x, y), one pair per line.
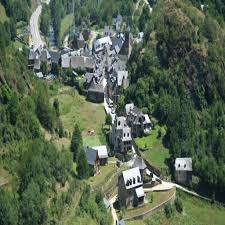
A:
(114, 215)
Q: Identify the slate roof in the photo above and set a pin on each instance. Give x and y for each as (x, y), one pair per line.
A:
(132, 178)
(77, 62)
(91, 154)
(117, 41)
(121, 76)
(55, 56)
(45, 56)
(102, 151)
(121, 222)
(140, 192)
(89, 77)
(89, 62)
(96, 87)
(65, 61)
(140, 163)
(37, 64)
(183, 164)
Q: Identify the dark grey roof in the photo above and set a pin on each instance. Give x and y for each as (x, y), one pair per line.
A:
(89, 77)
(96, 87)
(139, 162)
(117, 41)
(91, 154)
(121, 222)
(55, 56)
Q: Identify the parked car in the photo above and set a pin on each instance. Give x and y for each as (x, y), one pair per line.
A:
(110, 104)
(113, 110)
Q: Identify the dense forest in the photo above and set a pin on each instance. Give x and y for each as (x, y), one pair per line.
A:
(41, 180)
(178, 74)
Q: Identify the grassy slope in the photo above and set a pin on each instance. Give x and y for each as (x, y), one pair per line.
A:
(158, 198)
(156, 153)
(65, 24)
(75, 109)
(196, 212)
(3, 16)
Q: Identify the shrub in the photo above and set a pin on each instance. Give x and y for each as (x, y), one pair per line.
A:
(168, 210)
(179, 205)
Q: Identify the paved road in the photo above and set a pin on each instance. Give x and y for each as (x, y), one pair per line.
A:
(34, 28)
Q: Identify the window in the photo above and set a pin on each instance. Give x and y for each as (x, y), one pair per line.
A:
(128, 134)
(124, 134)
(118, 123)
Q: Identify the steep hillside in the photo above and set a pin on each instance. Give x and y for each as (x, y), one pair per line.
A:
(178, 74)
(38, 183)
(3, 16)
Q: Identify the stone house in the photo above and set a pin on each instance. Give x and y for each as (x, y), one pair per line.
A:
(183, 170)
(38, 57)
(95, 92)
(80, 41)
(102, 153)
(100, 44)
(120, 136)
(130, 188)
(117, 22)
(139, 122)
(117, 82)
(93, 160)
(108, 31)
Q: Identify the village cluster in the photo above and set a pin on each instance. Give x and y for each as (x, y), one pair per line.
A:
(104, 62)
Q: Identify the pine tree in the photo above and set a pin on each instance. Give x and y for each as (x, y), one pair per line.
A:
(76, 142)
(82, 166)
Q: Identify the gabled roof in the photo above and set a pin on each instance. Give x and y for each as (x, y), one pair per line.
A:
(65, 61)
(121, 122)
(89, 77)
(77, 62)
(129, 108)
(184, 164)
(102, 151)
(96, 87)
(140, 163)
(55, 56)
(91, 154)
(132, 178)
(121, 76)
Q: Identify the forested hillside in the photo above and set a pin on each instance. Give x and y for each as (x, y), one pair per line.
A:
(39, 181)
(178, 74)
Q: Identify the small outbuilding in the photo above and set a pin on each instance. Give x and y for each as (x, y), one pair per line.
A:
(92, 160)
(183, 170)
(102, 154)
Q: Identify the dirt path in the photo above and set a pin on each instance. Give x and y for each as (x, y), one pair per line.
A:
(114, 215)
